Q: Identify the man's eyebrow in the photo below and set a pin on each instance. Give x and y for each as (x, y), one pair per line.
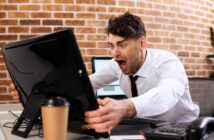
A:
(110, 43)
(118, 42)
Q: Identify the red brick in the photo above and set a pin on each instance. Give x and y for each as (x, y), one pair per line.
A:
(60, 28)
(18, 1)
(101, 30)
(80, 37)
(126, 3)
(103, 45)
(63, 15)
(2, 29)
(18, 29)
(29, 7)
(190, 73)
(3, 90)
(147, 19)
(161, 20)
(41, 1)
(96, 23)
(145, 5)
(136, 11)
(176, 47)
(3, 1)
(85, 1)
(201, 73)
(154, 39)
(83, 51)
(74, 22)
(74, 8)
(175, 9)
(87, 58)
(161, 7)
(8, 22)
(105, 16)
(168, 40)
(117, 9)
(5, 82)
(106, 2)
(97, 37)
(183, 54)
(153, 26)
(29, 22)
(183, 29)
(176, 22)
(87, 44)
(64, 1)
(2, 14)
(169, 14)
(41, 29)
(41, 15)
(26, 36)
(2, 75)
(85, 30)
(52, 7)
(52, 22)
(96, 9)
(8, 7)
(8, 37)
(96, 52)
(18, 15)
(85, 15)
(196, 67)
(3, 67)
(153, 13)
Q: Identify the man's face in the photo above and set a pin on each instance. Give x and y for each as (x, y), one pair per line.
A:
(128, 53)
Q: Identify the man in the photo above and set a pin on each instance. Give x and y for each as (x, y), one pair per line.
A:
(154, 80)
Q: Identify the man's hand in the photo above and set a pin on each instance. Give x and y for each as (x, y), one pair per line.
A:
(14, 92)
(110, 113)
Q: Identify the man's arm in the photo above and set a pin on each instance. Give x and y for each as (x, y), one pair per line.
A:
(171, 86)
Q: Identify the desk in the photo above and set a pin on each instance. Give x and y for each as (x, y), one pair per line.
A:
(5, 133)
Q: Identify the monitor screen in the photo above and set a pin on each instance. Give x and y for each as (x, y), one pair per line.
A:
(111, 90)
(51, 65)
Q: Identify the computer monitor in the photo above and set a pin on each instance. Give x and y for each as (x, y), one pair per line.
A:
(112, 90)
(50, 65)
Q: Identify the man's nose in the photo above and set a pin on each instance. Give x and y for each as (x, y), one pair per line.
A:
(116, 52)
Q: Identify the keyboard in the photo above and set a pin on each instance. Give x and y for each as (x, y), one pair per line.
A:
(173, 131)
(154, 123)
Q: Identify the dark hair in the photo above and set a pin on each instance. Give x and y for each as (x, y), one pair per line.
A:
(126, 26)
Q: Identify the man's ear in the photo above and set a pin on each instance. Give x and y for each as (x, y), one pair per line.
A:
(143, 41)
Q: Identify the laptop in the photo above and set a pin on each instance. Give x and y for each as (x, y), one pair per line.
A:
(112, 90)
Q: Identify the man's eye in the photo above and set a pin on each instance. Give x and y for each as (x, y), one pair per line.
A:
(123, 45)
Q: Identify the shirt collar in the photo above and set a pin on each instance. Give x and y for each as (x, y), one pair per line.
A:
(143, 71)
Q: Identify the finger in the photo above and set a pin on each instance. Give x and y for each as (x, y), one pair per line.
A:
(12, 86)
(97, 119)
(107, 100)
(97, 113)
(14, 93)
(100, 102)
(101, 127)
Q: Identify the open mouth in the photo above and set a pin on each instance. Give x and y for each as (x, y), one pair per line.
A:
(121, 63)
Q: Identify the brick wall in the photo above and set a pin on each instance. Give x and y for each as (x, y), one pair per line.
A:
(182, 27)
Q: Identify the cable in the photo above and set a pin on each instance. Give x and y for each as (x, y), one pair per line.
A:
(24, 125)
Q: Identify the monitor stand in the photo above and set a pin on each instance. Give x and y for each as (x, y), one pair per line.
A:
(29, 116)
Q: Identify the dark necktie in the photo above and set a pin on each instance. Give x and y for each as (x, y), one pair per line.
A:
(133, 85)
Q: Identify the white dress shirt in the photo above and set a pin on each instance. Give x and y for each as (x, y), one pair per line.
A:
(162, 85)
